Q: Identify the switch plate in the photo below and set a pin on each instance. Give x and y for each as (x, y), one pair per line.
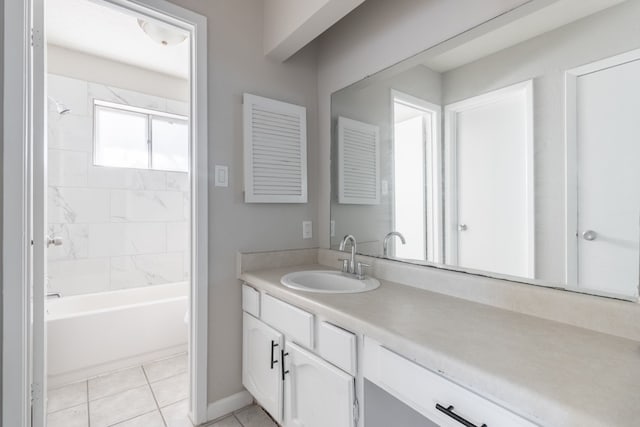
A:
(333, 228)
(221, 176)
(307, 229)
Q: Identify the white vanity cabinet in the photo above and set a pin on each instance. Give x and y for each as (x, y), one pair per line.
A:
(261, 372)
(279, 368)
(316, 394)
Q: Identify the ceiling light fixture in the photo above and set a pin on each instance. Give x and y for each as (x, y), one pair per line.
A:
(161, 34)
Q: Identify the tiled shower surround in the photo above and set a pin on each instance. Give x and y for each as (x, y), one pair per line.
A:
(121, 228)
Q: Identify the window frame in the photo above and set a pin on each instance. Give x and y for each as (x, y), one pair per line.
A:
(149, 115)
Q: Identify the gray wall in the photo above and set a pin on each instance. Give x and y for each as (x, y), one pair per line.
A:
(545, 59)
(237, 64)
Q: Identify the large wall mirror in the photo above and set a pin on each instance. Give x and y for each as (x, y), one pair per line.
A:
(512, 150)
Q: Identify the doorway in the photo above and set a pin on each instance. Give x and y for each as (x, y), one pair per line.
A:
(603, 212)
(114, 193)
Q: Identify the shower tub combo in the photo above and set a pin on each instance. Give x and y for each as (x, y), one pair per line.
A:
(98, 333)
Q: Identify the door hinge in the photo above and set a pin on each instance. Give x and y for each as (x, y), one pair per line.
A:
(356, 411)
(36, 38)
(36, 391)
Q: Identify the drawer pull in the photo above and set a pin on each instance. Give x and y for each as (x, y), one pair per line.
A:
(273, 346)
(449, 412)
(283, 355)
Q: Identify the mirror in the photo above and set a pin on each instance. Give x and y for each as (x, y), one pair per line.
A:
(511, 150)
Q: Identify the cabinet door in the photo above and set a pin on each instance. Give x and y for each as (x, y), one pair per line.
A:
(261, 375)
(316, 394)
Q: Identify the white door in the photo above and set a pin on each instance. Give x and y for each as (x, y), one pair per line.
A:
(261, 370)
(316, 394)
(38, 216)
(608, 162)
(489, 145)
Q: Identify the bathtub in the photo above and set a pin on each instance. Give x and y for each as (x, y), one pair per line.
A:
(88, 335)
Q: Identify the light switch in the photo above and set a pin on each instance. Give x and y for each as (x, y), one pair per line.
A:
(385, 187)
(333, 228)
(307, 229)
(221, 176)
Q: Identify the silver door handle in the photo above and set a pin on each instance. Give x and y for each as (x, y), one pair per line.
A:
(462, 227)
(589, 235)
(53, 240)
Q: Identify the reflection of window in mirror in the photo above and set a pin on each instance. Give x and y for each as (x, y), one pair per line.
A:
(416, 192)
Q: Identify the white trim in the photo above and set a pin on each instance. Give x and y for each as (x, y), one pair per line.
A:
(451, 173)
(16, 298)
(571, 158)
(229, 404)
(433, 169)
(15, 277)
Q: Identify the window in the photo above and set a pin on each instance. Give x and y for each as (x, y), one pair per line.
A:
(130, 137)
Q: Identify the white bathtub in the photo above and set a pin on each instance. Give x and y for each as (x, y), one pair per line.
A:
(88, 335)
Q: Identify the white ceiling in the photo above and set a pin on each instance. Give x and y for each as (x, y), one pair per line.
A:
(90, 27)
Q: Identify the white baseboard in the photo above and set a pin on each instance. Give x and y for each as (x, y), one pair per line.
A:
(227, 405)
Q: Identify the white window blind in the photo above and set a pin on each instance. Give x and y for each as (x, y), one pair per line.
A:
(275, 151)
(358, 162)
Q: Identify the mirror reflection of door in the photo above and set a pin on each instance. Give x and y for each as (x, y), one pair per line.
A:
(489, 182)
(416, 195)
(607, 127)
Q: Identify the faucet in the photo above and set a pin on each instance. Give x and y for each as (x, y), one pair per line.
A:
(385, 242)
(350, 265)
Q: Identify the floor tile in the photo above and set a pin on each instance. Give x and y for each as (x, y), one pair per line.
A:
(71, 417)
(121, 407)
(166, 368)
(171, 390)
(152, 419)
(230, 421)
(176, 415)
(67, 396)
(106, 385)
(254, 416)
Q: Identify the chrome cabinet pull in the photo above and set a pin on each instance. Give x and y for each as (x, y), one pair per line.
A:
(448, 411)
(590, 235)
(462, 227)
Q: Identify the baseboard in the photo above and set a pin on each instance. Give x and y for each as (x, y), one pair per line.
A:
(227, 405)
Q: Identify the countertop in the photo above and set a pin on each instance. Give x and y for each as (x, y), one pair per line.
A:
(549, 372)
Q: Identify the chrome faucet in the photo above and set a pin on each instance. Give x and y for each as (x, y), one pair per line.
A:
(350, 265)
(385, 242)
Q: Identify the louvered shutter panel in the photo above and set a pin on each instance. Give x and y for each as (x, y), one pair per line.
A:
(275, 151)
(358, 162)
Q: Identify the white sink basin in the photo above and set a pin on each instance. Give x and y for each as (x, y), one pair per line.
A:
(330, 282)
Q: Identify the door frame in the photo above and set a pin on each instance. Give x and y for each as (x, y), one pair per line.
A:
(571, 156)
(433, 173)
(451, 170)
(17, 229)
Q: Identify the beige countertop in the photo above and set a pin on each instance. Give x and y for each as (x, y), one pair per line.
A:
(549, 372)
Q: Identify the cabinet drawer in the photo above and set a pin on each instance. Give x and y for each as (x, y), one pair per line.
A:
(251, 300)
(295, 323)
(423, 389)
(337, 346)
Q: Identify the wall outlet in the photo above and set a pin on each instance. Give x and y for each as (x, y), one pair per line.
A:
(307, 229)
(333, 228)
(221, 176)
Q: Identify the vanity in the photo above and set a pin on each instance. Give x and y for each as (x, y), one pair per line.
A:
(352, 359)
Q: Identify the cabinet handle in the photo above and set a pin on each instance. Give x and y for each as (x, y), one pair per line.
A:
(283, 355)
(449, 412)
(273, 346)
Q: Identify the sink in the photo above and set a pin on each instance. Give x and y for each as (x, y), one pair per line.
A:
(329, 282)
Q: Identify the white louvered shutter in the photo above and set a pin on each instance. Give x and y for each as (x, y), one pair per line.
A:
(275, 151)
(358, 162)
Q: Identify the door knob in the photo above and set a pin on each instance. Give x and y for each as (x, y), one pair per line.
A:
(53, 240)
(462, 227)
(589, 235)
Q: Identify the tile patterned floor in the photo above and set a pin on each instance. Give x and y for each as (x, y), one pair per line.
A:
(151, 395)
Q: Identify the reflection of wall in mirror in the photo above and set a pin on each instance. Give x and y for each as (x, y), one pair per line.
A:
(372, 104)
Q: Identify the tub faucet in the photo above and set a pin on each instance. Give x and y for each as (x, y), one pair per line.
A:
(385, 242)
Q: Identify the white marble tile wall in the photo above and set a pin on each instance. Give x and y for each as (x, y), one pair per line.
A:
(121, 228)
